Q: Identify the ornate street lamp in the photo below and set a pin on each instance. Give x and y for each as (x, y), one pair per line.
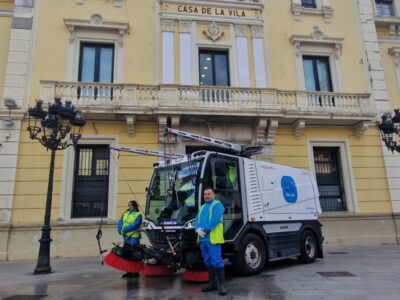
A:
(390, 130)
(52, 129)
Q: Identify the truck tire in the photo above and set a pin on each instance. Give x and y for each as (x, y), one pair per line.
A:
(250, 259)
(308, 247)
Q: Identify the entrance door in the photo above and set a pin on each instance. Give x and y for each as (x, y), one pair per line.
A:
(90, 195)
(329, 178)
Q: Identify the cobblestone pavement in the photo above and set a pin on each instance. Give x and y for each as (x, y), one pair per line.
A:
(352, 273)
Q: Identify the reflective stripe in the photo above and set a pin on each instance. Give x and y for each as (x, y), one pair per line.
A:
(128, 219)
(217, 234)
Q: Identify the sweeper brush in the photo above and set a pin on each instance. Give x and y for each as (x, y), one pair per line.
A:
(195, 276)
(156, 270)
(121, 264)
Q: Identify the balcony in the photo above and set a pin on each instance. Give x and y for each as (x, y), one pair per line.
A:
(134, 99)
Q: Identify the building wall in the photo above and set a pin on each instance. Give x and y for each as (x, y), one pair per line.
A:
(140, 51)
(280, 26)
(368, 219)
(33, 171)
(51, 62)
(69, 234)
(365, 154)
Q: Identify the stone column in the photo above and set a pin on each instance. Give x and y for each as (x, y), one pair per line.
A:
(242, 55)
(168, 29)
(185, 53)
(258, 53)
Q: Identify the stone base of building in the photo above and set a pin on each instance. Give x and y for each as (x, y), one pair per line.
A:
(19, 242)
(22, 242)
(345, 229)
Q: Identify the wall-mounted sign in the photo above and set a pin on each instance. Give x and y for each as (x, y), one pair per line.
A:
(201, 10)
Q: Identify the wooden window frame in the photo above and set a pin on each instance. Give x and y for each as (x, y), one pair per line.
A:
(213, 52)
(98, 47)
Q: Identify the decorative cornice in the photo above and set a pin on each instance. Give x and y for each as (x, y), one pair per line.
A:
(392, 24)
(325, 9)
(117, 3)
(317, 37)
(96, 21)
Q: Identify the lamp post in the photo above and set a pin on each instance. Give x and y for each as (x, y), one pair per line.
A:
(390, 130)
(51, 129)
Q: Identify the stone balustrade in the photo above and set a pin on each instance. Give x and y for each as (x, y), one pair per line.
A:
(203, 99)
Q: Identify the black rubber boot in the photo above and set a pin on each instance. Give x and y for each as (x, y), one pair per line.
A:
(130, 275)
(212, 279)
(221, 281)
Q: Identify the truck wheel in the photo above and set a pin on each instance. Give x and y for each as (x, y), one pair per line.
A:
(308, 247)
(250, 259)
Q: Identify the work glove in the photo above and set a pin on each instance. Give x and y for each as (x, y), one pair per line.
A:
(201, 232)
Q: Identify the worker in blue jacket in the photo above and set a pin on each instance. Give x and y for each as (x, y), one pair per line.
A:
(209, 227)
(128, 227)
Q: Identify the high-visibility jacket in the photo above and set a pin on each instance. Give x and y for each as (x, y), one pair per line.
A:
(217, 234)
(129, 218)
(233, 177)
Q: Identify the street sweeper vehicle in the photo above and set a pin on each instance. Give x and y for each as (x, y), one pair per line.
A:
(271, 210)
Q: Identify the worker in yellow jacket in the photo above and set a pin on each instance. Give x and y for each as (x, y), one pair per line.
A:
(128, 227)
(209, 227)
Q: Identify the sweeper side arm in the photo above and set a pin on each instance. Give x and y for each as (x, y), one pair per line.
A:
(236, 149)
(147, 152)
(205, 139)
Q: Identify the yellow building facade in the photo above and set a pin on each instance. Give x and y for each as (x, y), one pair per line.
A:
(293, 76)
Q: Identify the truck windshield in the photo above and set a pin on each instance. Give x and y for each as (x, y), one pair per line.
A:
(171, 199)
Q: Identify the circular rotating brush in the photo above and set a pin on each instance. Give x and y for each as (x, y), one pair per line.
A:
(121, 264)
(195, 276)
(156, 270)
